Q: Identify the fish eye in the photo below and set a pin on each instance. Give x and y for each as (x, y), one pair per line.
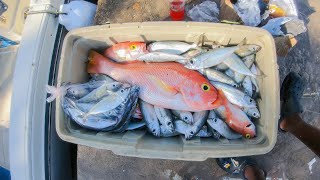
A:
(254, 114)
(251, 100)
(248, 136)
(215, 120)
(122, 90)
(191, 62)
(191, 132)
(114, 85)
(205, 87)
(133, 47)
(185, 118)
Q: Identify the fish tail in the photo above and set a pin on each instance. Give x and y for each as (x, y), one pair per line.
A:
(97, 63)
(55, 92)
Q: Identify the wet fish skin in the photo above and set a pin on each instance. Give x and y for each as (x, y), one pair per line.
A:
(101, 77)
(252, 112)
(234, 95)
(248, 61)
(248, 49)
(162, 57)
(185, 116)
(210, 58)
(247, 85)
(104, 90)
(255, 70)
(172, 47)
(237, 65)
(136, 125)
(165, 117)
(214, 75)
(230, 73)
(204, 132)
(192, 53)
(150, 117)
(221, 127)
(109, 102)
(165, 132)
(222, 67)
(199, 120)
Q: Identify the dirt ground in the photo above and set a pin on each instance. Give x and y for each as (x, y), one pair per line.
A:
(288, 160)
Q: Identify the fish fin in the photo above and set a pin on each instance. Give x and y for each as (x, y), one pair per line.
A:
(221, 100)
(55, 92)
(97, 62)
(243, 42)
(167, 89)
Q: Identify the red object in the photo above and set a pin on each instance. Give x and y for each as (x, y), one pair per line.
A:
(177, 10)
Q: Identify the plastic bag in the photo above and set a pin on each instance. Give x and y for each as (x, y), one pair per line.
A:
(205, 12)
(287, 5)
(274, 26)
(249, 12)
(78, 14)
(97, 105)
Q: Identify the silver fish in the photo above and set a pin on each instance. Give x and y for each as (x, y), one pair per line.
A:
(109, 102)
(248, 61)
(255, 70)
(192, 53)
(247, 85)
(150, 117)
(164, 117)
(172, 47)
(221, 67)
(214, 75)
(210, 58)
(136, 125)
(104, 90)
(237, 65)
(252, 112)
(204, 132)
(184, 116)
(248, 49)
(101, 77)
(220, 126)
(220, 111)
(116, 120)
(191, 130)
(162, 57)
(165, 132)
(230, 73)
(234, 95)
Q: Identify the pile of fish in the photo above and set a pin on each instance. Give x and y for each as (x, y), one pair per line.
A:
(206, 91)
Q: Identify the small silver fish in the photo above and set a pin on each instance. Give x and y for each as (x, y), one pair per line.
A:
(214, 75)
(248, 61)
(220, 126)
(104, 90)
(210, 58)
(191, 130)
(184, 116)
(248, 49)
(252, 112)
(247, 85)
(164, 117)
(204, 132)
(136, 125)
(172, 47)
(237, 65)
(162, 57)
(234, 95)
(109, 102)
(150, 117)
(165, 132)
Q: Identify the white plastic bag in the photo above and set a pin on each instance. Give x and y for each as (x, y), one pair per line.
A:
(249, 12)
(205, 12)
(79, 14)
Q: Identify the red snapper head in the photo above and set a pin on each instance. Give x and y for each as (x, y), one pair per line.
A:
(126, 51)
